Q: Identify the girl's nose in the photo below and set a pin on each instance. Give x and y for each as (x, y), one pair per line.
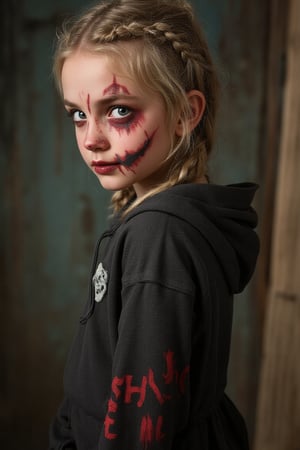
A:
(95, 139)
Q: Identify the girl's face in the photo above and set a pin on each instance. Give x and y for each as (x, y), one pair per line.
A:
(121, 129)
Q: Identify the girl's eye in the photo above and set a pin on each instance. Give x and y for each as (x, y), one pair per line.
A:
(120, 112)
(77, 116)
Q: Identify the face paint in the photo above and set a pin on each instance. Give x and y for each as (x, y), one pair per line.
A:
(115, 89)
(116, 122)
(129, 123)
(132, 158)
(88, 102)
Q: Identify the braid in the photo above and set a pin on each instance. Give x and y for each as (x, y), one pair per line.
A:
(159, 31)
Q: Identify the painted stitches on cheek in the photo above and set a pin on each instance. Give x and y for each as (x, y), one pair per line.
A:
(133, 158)
(115, 88)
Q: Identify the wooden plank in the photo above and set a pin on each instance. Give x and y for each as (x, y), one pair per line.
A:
(270, 144)
(278, 412)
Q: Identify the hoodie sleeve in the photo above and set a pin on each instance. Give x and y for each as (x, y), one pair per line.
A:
(150, 388)
(150, 395)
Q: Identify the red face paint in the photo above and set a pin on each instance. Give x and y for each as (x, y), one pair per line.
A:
(129, 123)
(88, 102)
(133, 158)
(115, 89)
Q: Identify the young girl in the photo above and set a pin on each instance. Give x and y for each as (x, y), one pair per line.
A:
(147, 369)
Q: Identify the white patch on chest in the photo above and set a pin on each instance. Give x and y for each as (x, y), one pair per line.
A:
(100, 283)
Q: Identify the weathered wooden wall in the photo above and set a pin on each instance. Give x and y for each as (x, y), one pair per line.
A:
(53, 210)
(278, 411)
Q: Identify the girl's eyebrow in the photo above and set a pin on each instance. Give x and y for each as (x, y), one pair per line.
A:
(106, 100)
(68, 103)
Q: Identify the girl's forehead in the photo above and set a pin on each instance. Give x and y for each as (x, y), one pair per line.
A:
(98, 76)
(106, 68)
(100, 62)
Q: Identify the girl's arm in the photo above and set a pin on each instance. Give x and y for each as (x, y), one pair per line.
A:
(150, 390)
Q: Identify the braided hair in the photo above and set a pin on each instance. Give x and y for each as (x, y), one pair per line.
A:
(171, 58)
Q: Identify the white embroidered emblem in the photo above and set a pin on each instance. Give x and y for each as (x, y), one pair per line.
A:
(100, 282)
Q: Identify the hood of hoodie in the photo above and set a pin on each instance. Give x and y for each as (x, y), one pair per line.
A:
(224, 217)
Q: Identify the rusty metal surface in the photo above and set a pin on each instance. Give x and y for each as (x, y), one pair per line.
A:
(53, 209)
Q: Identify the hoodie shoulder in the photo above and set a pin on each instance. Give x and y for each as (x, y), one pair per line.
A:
(222, 215)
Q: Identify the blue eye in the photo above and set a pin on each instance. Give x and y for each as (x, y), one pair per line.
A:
(119, 112)
(78, 116)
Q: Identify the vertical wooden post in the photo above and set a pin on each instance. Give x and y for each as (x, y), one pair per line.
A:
(278, 17)
(278, 410)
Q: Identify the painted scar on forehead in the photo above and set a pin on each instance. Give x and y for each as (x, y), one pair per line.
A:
(88, 102)
(115, 88)
(133, 158)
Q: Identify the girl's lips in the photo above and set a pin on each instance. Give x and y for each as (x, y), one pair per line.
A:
(102, 167)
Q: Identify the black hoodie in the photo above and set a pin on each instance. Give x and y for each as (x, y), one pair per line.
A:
(147, 369)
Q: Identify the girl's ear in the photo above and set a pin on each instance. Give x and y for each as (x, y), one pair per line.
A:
(197, 107)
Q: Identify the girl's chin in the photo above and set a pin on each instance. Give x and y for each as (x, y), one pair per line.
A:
(110, 184)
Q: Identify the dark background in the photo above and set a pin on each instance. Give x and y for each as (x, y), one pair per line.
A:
(53, 209)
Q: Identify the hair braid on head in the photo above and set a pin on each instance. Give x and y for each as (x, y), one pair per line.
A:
(158, 31)
(162, 32)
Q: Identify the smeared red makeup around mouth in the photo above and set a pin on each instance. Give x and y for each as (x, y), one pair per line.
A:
(133, 158)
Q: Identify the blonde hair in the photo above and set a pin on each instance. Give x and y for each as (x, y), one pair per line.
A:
(173, 59)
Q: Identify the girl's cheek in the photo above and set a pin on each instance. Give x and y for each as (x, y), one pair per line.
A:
(129, 137)
(128, 126)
